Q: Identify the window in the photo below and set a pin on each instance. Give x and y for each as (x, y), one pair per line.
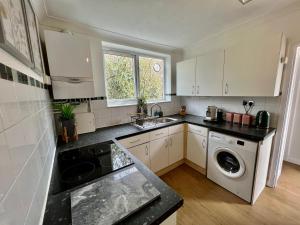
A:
(129, 76)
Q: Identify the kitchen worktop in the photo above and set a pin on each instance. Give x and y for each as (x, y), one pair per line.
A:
(58, 208)
(127, 130)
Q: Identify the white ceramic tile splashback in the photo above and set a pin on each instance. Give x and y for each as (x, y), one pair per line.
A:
(198, 105)
(6, 168)
(27, 146)
(109, 116)
(9, 106)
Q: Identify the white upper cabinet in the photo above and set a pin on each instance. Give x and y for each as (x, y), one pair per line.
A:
(185, 79)
(68, 55)
(209, 74)
(253, 67)
(76, 65)
(250, 67)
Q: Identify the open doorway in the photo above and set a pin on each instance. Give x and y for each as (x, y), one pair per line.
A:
(287, 144)
(292, 152)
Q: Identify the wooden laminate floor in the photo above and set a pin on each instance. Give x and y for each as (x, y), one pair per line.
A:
(207, 203)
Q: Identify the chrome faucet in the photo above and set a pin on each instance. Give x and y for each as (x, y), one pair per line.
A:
(155, 104)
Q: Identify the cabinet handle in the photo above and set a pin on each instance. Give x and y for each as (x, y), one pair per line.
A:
(204, 144)
(166, 142)
(147, 151)
(159, 134)
(171, 141)
(132, 142)
(74, 80)
(226, 88)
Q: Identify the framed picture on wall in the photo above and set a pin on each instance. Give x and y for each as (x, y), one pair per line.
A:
(13, 32)
(32, 28)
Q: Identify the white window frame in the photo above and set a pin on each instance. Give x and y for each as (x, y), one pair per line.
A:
(135, 55)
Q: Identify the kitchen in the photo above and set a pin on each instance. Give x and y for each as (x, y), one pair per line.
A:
(176, 113)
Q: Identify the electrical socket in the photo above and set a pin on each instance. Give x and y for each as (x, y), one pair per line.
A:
(251, 103)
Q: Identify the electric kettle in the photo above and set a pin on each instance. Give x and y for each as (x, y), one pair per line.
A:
(263, 119)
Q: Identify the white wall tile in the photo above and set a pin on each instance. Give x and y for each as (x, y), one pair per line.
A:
(12, 211)
(1, 124)
(198, 105)
(9, 105)
(6, 168)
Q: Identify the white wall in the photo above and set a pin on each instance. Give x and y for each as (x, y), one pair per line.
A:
(27, 147)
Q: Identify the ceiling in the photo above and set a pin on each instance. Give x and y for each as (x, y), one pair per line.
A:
(174, 23)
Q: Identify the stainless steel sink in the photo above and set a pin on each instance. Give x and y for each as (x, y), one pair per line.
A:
(165, 120)
(153, 122)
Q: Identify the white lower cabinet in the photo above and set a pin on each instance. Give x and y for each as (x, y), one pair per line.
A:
(142, 152)
(171, 220)
(175, 147)
(196, 149)
(159, 154)
(159, 148)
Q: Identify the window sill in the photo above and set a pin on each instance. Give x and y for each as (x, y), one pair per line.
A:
(114, 104)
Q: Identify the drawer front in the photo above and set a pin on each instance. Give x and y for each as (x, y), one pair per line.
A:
(135, 140)
(159, 133)
(198, 130)
(176, 129)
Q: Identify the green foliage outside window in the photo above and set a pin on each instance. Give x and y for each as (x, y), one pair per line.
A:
(151, 81)
(120, 77)
(119, 72)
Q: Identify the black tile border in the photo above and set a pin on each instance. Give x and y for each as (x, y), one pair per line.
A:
(7, 73)
(78, 100)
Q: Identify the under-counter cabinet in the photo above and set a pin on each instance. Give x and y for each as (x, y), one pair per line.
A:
(157, 149)
(197, 145)
(142, 152)
(176, 143)
(159, 154)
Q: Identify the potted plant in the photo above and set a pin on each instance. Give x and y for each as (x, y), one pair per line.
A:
(67, 118)
(142, 105)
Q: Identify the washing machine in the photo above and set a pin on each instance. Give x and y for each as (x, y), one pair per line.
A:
(231, 163)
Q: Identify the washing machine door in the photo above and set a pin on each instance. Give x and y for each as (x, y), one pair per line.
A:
(229, 162)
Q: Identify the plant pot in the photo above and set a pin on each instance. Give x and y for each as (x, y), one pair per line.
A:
(70, 126)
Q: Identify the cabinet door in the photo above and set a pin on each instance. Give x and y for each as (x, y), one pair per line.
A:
(185, 80)
(175, 147)
(159, 154)
(68, 55)
(196, 149)
(253, 68)
(142, 153)
(209, 74)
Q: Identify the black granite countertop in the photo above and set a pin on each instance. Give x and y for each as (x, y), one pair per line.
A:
(127, 130)
(58, 209)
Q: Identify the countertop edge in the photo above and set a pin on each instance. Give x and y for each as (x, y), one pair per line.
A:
(181, 120)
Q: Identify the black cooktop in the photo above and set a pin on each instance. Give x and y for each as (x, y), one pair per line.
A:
(79, 166)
